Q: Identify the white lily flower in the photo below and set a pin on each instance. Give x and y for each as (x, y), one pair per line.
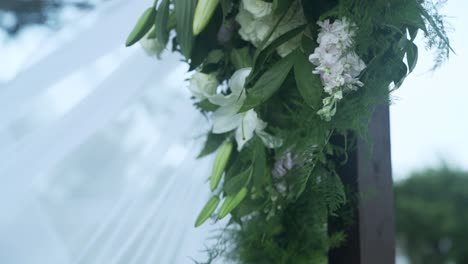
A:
(203, 85)
(249, 125)
(237, 95)
(227, 117)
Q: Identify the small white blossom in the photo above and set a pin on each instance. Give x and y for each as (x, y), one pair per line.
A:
(227, 117)
(339, 68)
(283, 165)
(203, 86)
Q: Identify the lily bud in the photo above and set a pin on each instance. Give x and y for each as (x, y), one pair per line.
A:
(203, 13)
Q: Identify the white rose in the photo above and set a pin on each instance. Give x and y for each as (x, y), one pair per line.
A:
(255, 26)
(257, 8)
(203, 85)
(151, 45)
(253, 30)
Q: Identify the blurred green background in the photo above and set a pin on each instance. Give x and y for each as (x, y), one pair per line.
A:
(432, 216)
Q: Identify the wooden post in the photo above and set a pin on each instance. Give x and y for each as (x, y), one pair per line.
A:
(371, 236)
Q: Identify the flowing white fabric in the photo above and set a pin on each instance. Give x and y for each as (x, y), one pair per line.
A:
(106, 34)
(111, 177)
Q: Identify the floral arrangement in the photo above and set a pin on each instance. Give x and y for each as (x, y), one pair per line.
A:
(279, 81)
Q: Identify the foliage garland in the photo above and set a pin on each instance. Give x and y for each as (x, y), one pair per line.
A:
(279, 80)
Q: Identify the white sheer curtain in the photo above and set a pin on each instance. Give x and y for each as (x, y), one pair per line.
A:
(101, 171)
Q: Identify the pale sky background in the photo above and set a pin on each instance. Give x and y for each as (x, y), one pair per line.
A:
(428, 118)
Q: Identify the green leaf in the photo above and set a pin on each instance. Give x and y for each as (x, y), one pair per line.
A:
(259, 164)
(231, 202)
(172, 22)
(213, 141)
(161, 24)
(241, 58)
(203, 13)
(411, 55)
(207, 210)
(262, 56)
(413, 32)
(201, 47)
(184, 10)
(309, 85)
(226, 6)
(220, 163)
(280, 6)
(334, 191)
(206, 106)
(316, 10)
(308, 43)
(268, 83)
(144, 24)
(398, 70)
(411, 16)
(301, 184)
(269, 141)
(214, 57)
(235, 184)
(152, 34)
(435, 27)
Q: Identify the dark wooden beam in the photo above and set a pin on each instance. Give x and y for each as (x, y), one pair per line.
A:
(368, 173)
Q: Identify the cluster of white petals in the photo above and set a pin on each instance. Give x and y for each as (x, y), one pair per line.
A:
(203, 85)
(338, 67)
(256, 19)
(283, 165)
(257, 8)
(227, 117)
(151, 45)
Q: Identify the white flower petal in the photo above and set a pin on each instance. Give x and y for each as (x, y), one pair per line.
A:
(251, 122)
(237, 81)
(224, 123)
(240, 138)
(270, 141)
(152, 46)
(245, 131)
(221, 100)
